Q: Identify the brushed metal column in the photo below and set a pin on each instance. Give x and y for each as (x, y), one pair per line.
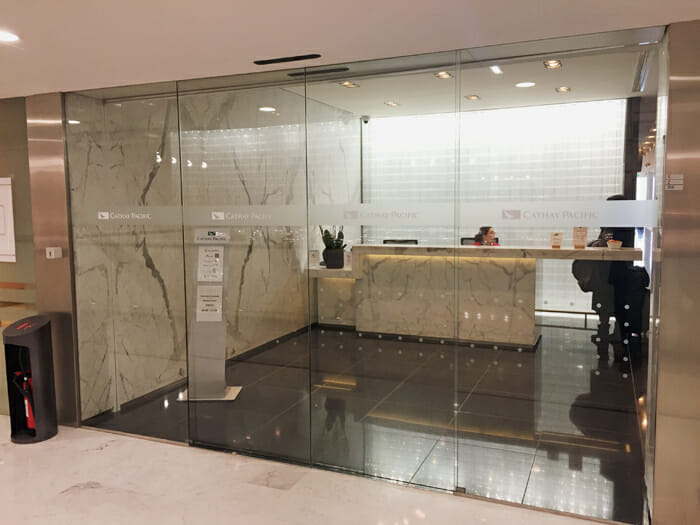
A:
(676, 498)
(50, 220)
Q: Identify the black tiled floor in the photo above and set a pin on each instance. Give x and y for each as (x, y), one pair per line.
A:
(556, 428)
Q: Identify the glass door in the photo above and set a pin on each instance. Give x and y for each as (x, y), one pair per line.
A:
(123, 160)
(381, 146)
(244, 205)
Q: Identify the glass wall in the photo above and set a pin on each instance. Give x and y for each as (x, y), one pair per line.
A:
(399, 268)
(123, 158)
(244, 200)
(384, 351)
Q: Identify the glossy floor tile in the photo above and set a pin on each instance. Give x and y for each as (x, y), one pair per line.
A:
(556, 428)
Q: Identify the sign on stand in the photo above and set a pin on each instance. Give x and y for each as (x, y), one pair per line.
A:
(207, 345)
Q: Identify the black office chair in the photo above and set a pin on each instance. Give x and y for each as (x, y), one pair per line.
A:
(400, 241)
(468, 241)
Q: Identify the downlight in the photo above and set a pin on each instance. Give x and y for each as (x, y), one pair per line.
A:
(7, 37)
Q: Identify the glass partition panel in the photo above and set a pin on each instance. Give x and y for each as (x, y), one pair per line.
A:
(430, 269)
(122, 149)
(560, 311)
(382, 160)
(244, 198)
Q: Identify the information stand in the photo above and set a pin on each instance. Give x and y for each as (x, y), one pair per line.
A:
(207, 336)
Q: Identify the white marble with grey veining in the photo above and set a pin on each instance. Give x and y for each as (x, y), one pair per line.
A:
(336, 301)
(415, 295)
(128, 276)
(234, 155)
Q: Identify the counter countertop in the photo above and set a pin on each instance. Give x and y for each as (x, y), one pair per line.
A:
(592, 254)
(322, 271)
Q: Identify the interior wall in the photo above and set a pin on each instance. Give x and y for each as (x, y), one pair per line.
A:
(17, 281)
(677, 463)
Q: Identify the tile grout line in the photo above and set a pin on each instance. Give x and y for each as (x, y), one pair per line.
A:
(409, 376)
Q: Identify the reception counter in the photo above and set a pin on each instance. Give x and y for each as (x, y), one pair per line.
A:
(467, 293)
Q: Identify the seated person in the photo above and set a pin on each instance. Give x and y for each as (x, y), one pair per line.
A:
(485, 237)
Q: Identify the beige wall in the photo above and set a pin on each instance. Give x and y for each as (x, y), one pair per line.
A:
(16, 303)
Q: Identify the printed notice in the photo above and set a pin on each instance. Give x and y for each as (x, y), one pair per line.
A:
(210, 264)
(209, 303)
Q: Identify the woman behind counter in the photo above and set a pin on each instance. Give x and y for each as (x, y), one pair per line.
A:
(485, 237)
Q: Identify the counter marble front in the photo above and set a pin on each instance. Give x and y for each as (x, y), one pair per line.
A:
(468, 293)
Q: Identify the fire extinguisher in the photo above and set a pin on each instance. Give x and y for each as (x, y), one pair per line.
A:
(23, 381)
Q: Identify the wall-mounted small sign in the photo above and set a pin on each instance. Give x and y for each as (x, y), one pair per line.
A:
(674, 182)
(7, 223)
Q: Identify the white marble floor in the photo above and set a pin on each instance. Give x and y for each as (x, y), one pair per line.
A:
(84, 476)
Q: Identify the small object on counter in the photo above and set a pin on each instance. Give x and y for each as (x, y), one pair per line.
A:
(580, 237)
(555, 239)
(614, 245)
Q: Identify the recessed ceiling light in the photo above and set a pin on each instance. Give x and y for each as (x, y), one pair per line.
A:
(524, 84)
(472, 97)
(267, 109)
(552, 64)
(6, 36)
(391, 103)
(652, 129)
(349, 84)
(563, 89)
(73, 122)
(496, 70)
(443, 74)
(651, 136)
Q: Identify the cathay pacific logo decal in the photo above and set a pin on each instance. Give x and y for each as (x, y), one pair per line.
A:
(529, 215)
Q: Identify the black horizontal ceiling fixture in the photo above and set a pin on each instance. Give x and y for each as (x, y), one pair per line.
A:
(282, 60)
(319, 72)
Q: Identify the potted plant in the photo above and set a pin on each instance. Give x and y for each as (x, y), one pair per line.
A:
(334, 240)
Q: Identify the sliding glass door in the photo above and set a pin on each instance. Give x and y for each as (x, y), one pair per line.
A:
(244, 205)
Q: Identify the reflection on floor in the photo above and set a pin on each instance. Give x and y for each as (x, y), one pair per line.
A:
(556, 429)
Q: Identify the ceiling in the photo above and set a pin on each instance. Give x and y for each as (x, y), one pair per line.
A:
(591, 76)
(83, 44)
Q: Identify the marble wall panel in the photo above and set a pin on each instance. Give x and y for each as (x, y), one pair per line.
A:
(334, 163)
(336, 301)
(129, 274)
(236, 156)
